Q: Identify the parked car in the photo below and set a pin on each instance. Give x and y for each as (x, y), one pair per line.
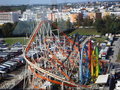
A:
(10, 67)
(2, 41)
(4, 55)
(2, 70)
(1, 59)
(17, 51)
(12, 64)
(5, 68)
(11, 54)
(2, 74)
(20, 59)
(18, 44)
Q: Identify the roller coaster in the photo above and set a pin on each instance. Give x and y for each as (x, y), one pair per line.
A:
(60, 59)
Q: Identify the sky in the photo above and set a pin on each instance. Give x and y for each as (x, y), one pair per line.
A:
(17, 2)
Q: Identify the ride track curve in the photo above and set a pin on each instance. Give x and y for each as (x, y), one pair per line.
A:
(48, 62)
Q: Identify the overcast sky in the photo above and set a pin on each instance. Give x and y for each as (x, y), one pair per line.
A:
(16, 2)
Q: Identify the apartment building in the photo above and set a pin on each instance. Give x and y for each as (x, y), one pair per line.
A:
(9, 17)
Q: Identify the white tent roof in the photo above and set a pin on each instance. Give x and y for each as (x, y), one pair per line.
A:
(102, 79)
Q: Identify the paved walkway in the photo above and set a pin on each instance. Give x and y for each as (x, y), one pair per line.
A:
(115, 49)
(18, 76)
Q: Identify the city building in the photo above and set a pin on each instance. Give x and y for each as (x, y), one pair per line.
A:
(74, 16)
(105, 14)
(95, 15)
(27, 15)
(9, 17)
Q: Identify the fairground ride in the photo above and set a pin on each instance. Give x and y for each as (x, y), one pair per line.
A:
(60, 59)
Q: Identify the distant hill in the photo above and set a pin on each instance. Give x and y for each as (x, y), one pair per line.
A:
(13, 8)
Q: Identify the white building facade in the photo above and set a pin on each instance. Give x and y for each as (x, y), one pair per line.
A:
(9, 17)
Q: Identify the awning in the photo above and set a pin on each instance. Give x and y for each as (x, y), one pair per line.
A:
(102, 79)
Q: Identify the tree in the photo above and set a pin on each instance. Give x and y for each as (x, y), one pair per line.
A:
(109, 24)
(87, 22)
(13, 8)
(83, 21)
(61, 25)
(100, 25)
(115, 26)
(79, 21)
(54, 24)
(7, 29)
(68, 24)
